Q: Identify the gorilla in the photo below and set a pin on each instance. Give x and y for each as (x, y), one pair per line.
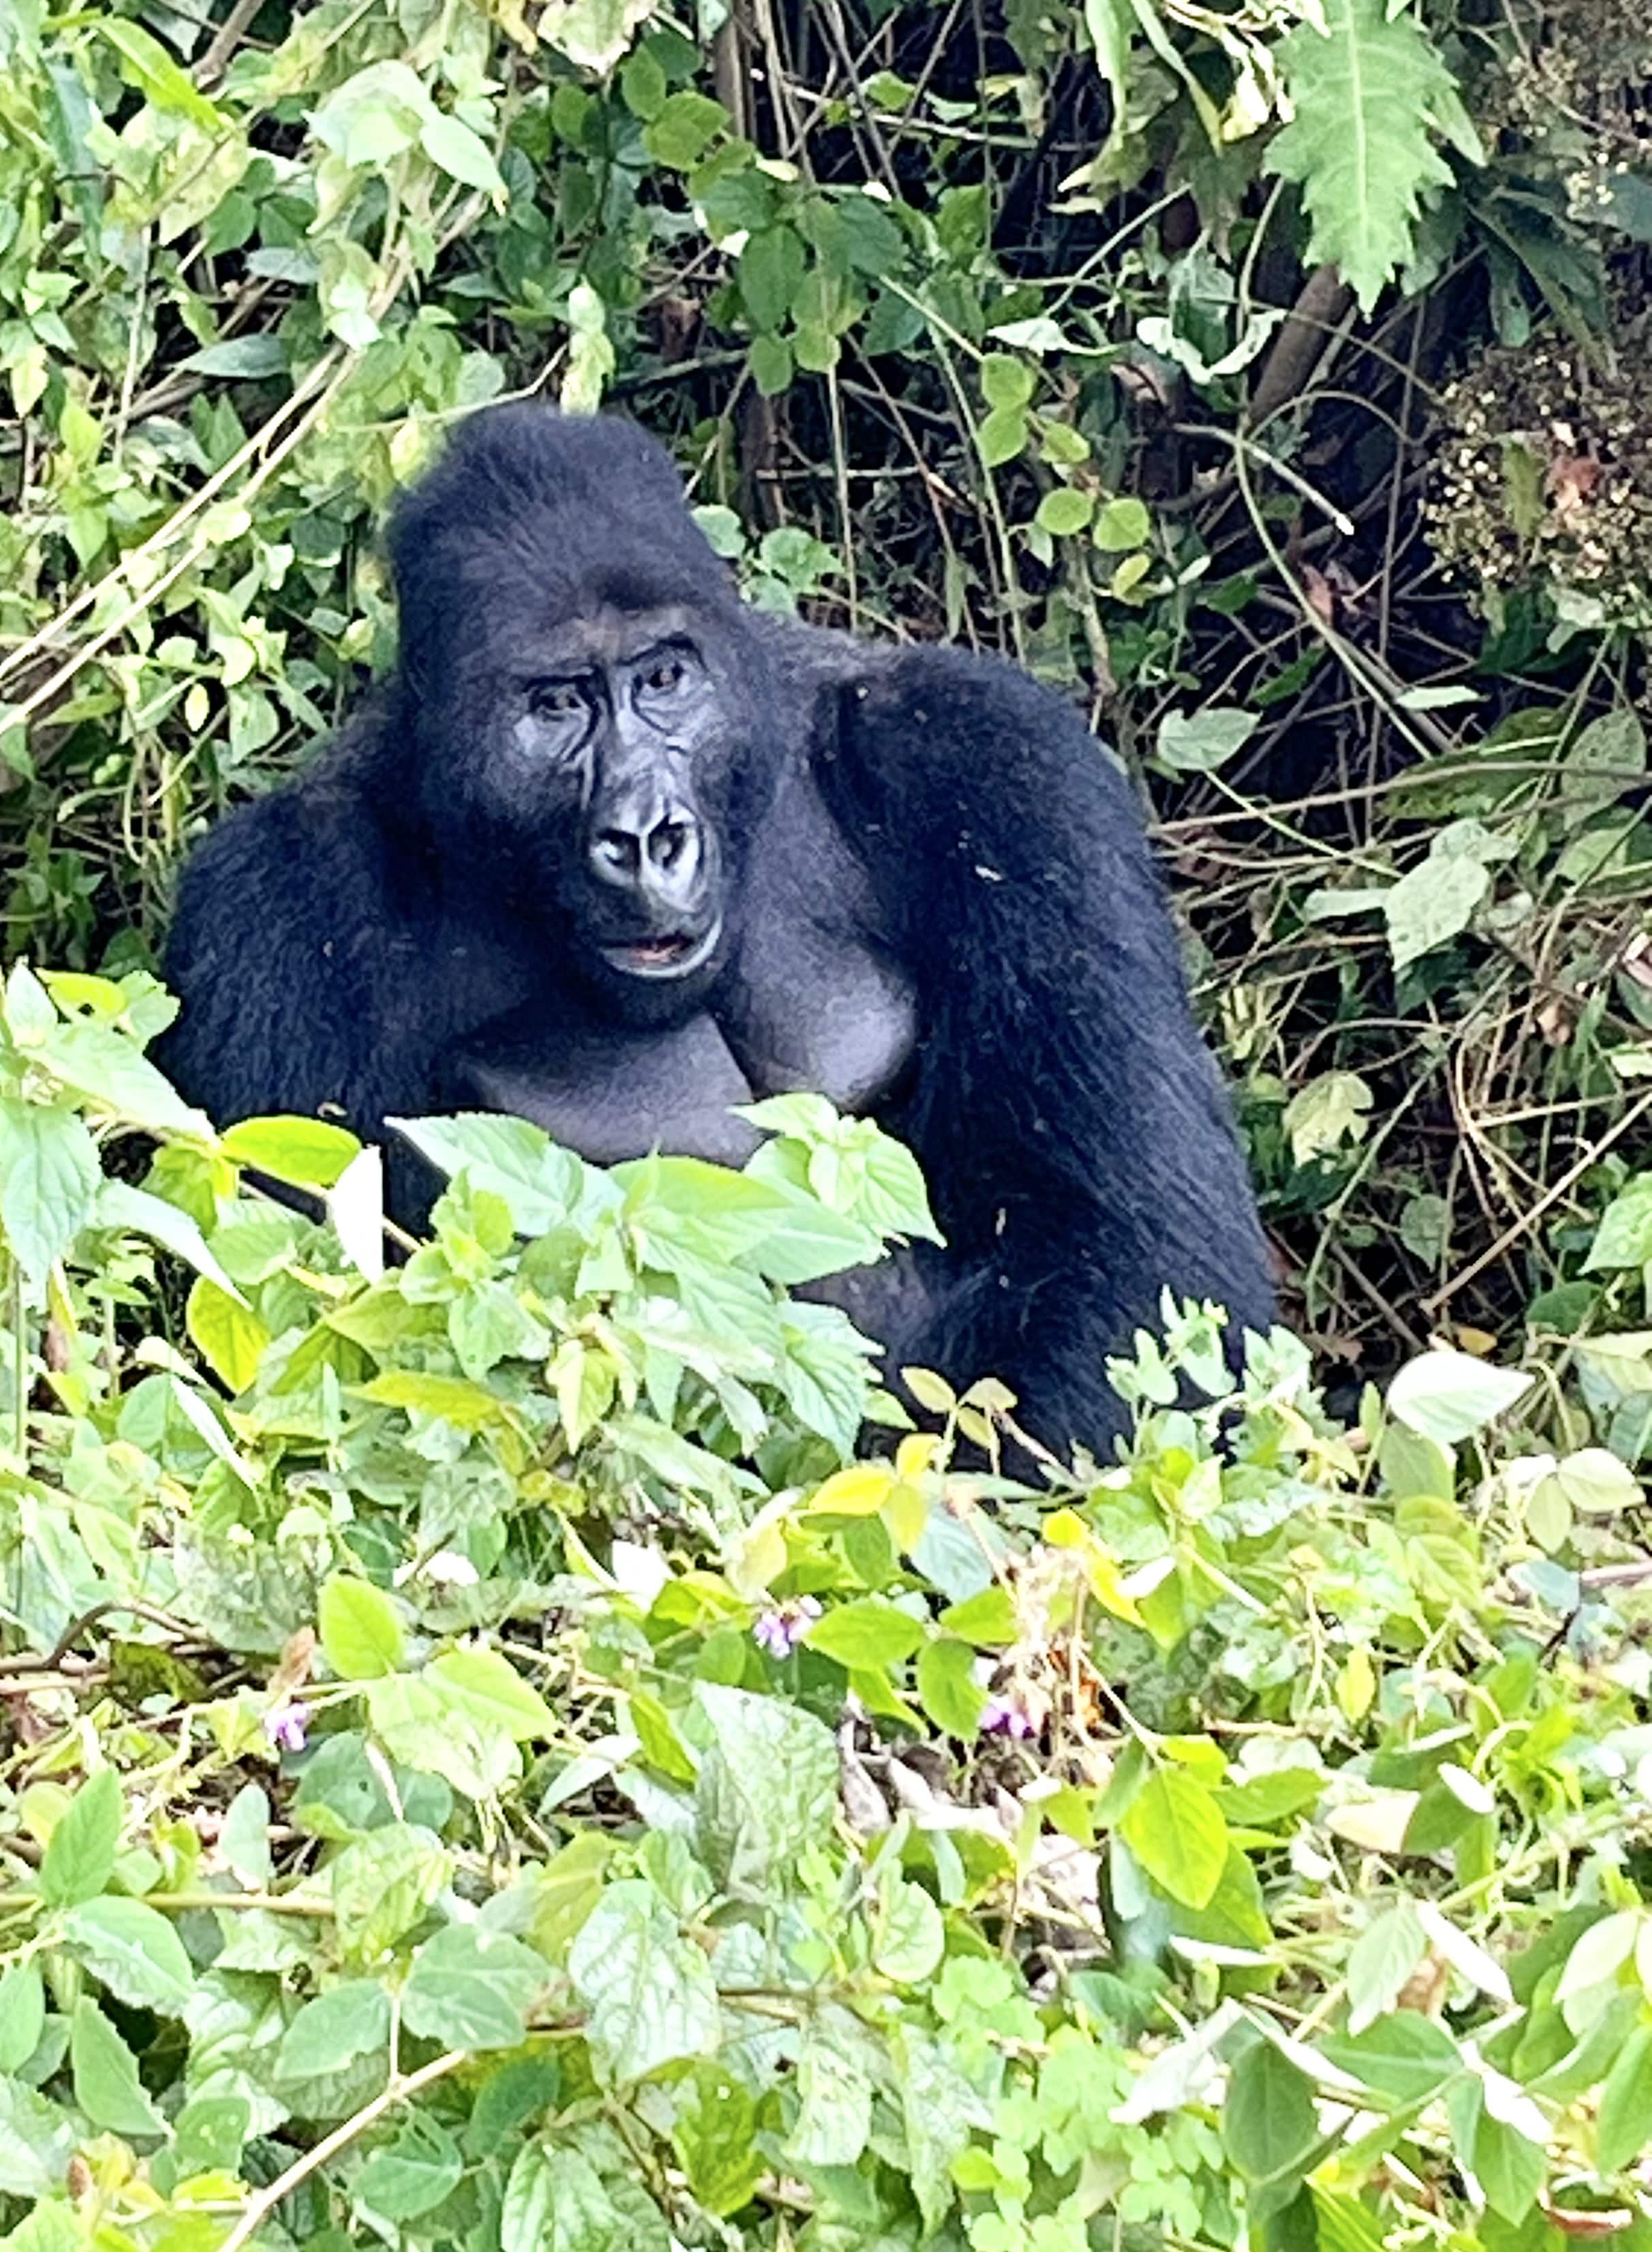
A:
(614, 851)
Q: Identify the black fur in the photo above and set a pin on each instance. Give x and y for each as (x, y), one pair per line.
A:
(344, 940)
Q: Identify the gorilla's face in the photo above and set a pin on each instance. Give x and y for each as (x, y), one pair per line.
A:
(618, 762)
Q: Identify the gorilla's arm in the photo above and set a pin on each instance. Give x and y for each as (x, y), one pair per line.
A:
(307, 987)
(1067, 1114)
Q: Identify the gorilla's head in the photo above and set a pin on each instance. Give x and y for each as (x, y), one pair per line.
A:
(584, 695)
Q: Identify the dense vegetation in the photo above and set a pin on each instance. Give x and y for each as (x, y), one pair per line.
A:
(488, 1756)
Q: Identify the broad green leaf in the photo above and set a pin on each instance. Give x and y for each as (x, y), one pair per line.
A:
(1007, 383)
(102, 1065)
(685, 128)
(229, 1336)
(1370, 100)
(1332, 1108)
(1624, 1237)
(1381, 1960)
(488, 1686)
(413, 2174)
(360, 1632)
(1065, 512)
(1623, 2127)
(471, 1988)
(947, 1689)
(305, 1153)
(119, 1204)
(79, 1855)
(909, 1938)
(770, 269)
(648, 1992)
(134, 1951)
(464, 156)
(383, 1884)
(1510, 2167)
(1199, 742)
(1269, 2125)
(714, 2135)
(333, 2029)
(1448, 1396)
(466, 1406)
(21, 2014)
(592, 33)
(835, 2083)
(1406, 2057)
(768, 1787)
(106, 2086)
(48, 1181)
(987, 1620)
(36, 2143)
(1176, 1829)
(555, 2201)
(539, 1184)
(870, 1633)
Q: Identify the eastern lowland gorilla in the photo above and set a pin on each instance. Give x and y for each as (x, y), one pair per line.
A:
(614, 851)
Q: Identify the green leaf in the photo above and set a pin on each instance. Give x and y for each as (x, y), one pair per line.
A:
(947, 1689)
(1064, 511)
(245, 360)
(1006, 383)
(305, 1153)
(770, 271)
(106, 2086)
(36, 2143)
(134, 1951)
(148, 68)
(471, 1988)
(835, 2083)
(1369, 98)
(1624, 1237)
(101, 1064)
(910, 1938)
(413, 2174)
(1176, 1829)
(333, 2029)
(1381, 1960)
(772, 364)
(988, 1619)
(1269, 2125)
(464, 156)
(383, 1884)
(1510, 2167)
(48, 1181)
(1406, 2057)
(684, 129)
(226, 1332)
(488, 1687)
(1623, 2126)
(360, 1633)
(1002, 435)
(1199, 742)
(21, 2014)
(539, 1184)
(867, 1633)
(79, 1856)
(714, 2135)
(1447, 1396)
(768, 1787)
(1123, 524)
(649, 1992)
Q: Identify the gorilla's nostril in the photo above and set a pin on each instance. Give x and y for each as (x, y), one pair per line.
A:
(619, 850)
(669, 845)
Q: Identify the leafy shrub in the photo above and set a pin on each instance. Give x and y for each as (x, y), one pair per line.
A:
(488, 1766)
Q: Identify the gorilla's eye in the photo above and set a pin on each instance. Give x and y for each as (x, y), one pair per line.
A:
(556, 700)
(664, 675)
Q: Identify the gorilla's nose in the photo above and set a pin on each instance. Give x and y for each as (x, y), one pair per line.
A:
(658, 858)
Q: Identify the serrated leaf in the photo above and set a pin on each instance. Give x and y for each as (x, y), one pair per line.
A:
(470, 1989)
(333, 2029)
(649, 1992)
(413, 2174)
(488, 1686)
(48, 1181)
(869, 1632)
(1371, 98)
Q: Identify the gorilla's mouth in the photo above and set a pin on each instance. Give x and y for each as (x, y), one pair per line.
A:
(672, 954)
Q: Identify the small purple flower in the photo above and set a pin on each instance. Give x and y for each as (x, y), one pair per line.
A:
(288, 1726)
(1001, 1718)
(780, 1631)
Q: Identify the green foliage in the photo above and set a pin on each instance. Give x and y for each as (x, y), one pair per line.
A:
(537, 1783)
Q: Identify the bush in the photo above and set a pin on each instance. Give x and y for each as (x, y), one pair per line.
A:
(489, 1765)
